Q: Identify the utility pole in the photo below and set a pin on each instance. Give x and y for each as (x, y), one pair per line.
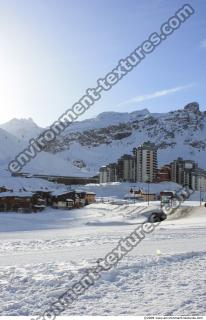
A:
(134, 194)
(200, 191)
(148, 181)
(148, 192)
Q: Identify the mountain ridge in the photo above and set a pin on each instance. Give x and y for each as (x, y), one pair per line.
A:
(24, 128)
(86, 145)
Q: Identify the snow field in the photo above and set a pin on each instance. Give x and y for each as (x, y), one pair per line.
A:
(42, 255)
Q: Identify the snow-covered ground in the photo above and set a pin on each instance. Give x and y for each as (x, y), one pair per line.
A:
(120, 189)
(42, 255)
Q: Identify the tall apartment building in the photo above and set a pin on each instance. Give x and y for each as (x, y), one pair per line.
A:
(126, 168)
(108, 173)
(199, 180)
(145, 162)
(103, 174)
(182, 170)
(142, 167)
(112, 172)
(139, 167)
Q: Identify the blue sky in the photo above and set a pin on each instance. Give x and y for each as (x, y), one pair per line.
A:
(53, 50)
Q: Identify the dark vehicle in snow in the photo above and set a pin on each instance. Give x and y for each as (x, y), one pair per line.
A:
(157, 216)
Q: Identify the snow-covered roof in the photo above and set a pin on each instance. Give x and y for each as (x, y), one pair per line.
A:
(39, 206)
(60, 192)
(16, 194)
(44, 190)
(79, 190)
(31, 184)
(132, 195)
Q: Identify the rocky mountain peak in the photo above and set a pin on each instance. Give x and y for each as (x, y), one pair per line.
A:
(22, 128)
(192, 107)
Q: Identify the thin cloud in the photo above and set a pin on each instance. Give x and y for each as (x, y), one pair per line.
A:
(203, 44)
(156, 94)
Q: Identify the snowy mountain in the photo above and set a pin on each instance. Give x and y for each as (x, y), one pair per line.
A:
(44, 163)
(86, 145)
(23, 129)
(95, 142)
(9, 146)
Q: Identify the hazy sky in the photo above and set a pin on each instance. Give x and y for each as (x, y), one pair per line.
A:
(53, 50)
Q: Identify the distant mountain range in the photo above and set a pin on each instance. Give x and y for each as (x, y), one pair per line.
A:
(23, 129)
(86, 145)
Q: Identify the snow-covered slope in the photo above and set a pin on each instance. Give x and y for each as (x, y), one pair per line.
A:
(23, 184)
(47, 163)
(23, 129)
(9, 146)
(44, 163)
(85, 146)
(104, 139)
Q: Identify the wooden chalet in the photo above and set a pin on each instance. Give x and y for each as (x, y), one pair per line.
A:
(72, 199)
(25, 202)
(3, 189)
(90, 197)
(45, 195)
(63, 199)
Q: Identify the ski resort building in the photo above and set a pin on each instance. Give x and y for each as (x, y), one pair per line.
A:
(72, 199)
(109, 173)
(103, 174)
(187, 172)
(63, 199)
(20, 202)
(142, 167)
(145, 162)
(198, 180)
(90, 197)
(112, 171)
(3, 189)
(125, 168)
(139, 167)
(164, 174)
(181, 171)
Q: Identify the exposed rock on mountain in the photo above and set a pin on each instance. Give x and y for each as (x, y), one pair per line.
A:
(91, 143)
